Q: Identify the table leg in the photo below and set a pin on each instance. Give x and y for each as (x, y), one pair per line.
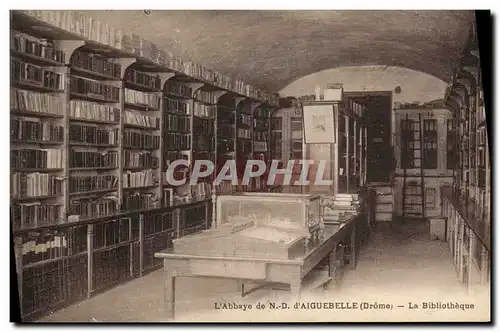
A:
(169, 295)
(295, 289)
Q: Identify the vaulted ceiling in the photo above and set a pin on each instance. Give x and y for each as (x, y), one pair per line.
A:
(274, 48)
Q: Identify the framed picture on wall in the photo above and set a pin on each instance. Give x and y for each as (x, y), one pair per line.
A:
(319, 122)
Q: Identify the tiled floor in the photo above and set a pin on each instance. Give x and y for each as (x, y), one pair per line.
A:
(399, 265)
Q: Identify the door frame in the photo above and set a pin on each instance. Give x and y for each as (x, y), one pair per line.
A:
(382, 93)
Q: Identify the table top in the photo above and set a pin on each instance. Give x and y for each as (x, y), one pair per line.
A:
(332, 234)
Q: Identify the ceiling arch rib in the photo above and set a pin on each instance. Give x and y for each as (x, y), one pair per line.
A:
(274, 48)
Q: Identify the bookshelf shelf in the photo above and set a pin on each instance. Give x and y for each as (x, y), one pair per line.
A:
(140, 188)
(35, 59)
(93, 145)
(91, 168)
(92, 192)
(141, 107)
(36, 170)
(94, 98)
(33, 142)
(18, 112)
(75, 70)
(33, 198)
(34, 87)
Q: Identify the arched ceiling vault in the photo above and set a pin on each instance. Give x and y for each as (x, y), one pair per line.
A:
(273, 48)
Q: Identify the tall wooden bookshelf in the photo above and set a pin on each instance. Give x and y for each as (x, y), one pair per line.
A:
(95, 123)
(467, 205)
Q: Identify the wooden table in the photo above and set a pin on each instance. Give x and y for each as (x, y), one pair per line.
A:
(247, 269)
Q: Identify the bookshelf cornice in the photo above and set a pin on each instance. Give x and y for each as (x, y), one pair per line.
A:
(78, 25)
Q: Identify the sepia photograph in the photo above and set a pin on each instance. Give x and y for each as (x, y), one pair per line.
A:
(250, 166)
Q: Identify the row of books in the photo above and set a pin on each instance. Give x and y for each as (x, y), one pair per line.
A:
(225, 145)
(481, 110)
(178, 89)
(91, 29)
(36, 159)
(356, 108)
(204, 111)
(276, 124)
(136, 159)
(193, 215)
(92, 207)
(262, 112)
(30, 215)
(96, 64)
(45, 246)
(176, 106)
(178, 174)
(168, 196)
(244, 147)
(35, 102)
(225, 131)
(140, 179)
(42, 244)
(29, 74)
(86, 159)
(94, 89)
(41, 48)
(80, 109)
(481, 158)
(203, 143)
(226, 117)
(430, 126)
(260, 124)
(481, 135)
(138, 140)
(93, 135)
(134, 201)
(224, 188)
(35, 185)
(260, 136)
(203, 126)
(431, 145)
(177, 123)
(177, 141)
(134, 97)
(201, 190)
(25, 130)
(136, 119)
(244, 133)
(245, 119)
(147, 80)
(79, 184)
(206, 96)
(171, 156)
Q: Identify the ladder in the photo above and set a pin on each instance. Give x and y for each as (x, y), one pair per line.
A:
(413, 191)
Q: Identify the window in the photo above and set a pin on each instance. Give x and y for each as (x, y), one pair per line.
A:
(407, 141)
(430, 144)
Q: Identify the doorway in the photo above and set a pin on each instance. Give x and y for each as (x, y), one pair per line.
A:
(380, 160)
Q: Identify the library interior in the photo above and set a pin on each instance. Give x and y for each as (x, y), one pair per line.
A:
(186, 165)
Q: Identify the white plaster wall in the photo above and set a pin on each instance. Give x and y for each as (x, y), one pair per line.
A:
(415, 85)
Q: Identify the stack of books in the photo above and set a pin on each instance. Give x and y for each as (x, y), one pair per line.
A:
(341, 208)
